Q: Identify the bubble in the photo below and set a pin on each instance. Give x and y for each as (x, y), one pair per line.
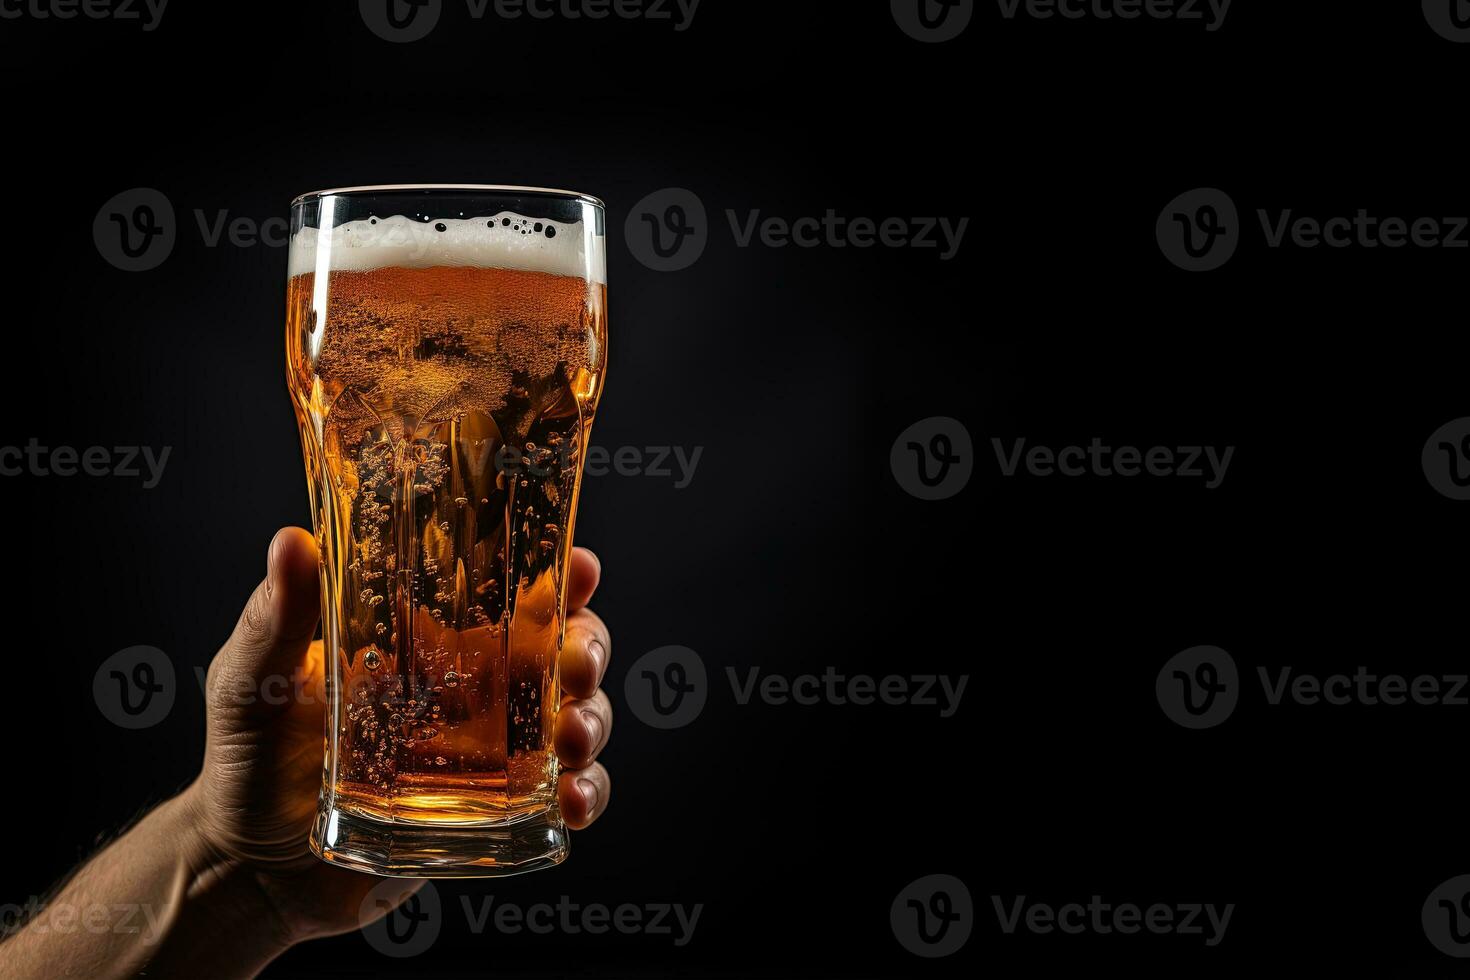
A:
(451, 678)
(372, 660)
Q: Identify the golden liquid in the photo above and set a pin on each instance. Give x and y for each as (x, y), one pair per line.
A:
(444, 415)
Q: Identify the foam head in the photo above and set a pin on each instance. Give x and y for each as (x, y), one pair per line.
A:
(504, 241)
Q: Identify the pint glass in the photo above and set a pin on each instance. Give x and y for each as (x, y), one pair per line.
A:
(445, 355)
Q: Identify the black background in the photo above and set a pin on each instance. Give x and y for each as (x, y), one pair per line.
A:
(794, 548)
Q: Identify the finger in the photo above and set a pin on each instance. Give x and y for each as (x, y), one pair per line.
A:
(582, 728)
(584, 654)
(582, 579)
(583, 795)
(280, 617)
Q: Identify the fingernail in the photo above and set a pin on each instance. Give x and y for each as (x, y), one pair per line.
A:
(594, 647)
(270, 564)
(594, 727)
(589, 794)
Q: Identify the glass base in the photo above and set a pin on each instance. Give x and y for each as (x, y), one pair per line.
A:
(400, 850)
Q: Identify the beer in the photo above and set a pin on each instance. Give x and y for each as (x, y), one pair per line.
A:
(445, 376)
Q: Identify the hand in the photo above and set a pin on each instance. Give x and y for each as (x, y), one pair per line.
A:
(253, 804)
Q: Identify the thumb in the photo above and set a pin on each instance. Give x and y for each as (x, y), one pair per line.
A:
(279, 620)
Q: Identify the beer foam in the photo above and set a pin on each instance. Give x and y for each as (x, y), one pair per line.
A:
(504, 241)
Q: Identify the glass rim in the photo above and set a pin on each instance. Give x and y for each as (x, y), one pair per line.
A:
(367, 190)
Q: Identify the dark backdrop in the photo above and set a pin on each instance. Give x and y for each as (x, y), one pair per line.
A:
(794, 547)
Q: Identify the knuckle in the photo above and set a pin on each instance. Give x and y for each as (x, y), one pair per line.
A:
(254, 628)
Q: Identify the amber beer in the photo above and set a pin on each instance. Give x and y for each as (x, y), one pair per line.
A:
(445, 374)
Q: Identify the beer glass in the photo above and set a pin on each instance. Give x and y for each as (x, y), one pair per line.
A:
(445, 355)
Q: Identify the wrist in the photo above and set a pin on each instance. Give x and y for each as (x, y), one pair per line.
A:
(221, 894)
